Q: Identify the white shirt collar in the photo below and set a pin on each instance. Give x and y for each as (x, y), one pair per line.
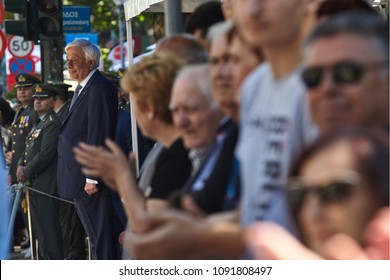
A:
(85, 81)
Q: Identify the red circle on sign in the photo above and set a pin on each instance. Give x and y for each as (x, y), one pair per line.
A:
(19, 51)
(21, 65)
(3, 44)
(117, 52)
(2, 13)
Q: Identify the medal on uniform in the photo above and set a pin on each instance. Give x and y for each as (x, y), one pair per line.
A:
(21, 121)
(36, 133)
(26, 121)
(33, 144)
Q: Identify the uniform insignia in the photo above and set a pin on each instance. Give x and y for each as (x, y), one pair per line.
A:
(21, 78)
(36, 133)
(38, 89)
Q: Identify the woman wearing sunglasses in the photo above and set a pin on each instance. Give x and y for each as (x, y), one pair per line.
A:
(337, 187)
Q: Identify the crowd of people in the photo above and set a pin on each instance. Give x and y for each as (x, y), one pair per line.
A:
(261, 135)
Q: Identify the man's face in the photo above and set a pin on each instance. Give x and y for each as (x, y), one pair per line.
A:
(221, 76)
(193, 114)
(24, 95)
(42, 105)
(77, 65)
(268, 22)
(360, 102)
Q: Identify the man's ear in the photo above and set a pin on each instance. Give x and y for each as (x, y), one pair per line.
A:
(91, 64)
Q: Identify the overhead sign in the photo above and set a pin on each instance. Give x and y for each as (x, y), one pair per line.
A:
(92, 37)
(2, 12)
(76, 19)
(18, 47)
(22, 65)
(3, 43)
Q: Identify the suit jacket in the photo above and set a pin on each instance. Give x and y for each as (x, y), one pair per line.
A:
(21, 127)
(91, 119)
(40, 155)
(211, 198)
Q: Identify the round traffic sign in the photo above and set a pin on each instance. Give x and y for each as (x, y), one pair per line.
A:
(3, 44)
(2, 12)
(117, 52)
(18, 47)
(21, 65)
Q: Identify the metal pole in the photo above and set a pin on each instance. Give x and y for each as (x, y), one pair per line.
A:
(133, 122)
(30, 224)
(120, 26)
(173, 17)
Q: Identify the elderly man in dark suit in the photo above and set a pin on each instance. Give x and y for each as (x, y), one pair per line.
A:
(91, 119)
(73, 233)
(37, 168)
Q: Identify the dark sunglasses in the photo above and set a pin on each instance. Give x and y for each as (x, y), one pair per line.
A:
(343, 73)
(334, 192)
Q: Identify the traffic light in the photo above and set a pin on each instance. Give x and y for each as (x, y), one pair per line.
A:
(48, 22)
(23, 27)
(42, 19)
(48, 25)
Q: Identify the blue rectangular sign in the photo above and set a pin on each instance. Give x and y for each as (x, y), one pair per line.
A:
(76, 19)
(92, 37)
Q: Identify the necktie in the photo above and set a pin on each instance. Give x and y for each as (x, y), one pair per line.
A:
(75, 95)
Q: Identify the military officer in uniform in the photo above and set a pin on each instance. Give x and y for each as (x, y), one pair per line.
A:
(38, 169)
(61, 100)
(23, 121)
(20, 128)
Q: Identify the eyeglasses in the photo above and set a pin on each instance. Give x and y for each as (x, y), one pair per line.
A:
(343, 73)
(336, 191)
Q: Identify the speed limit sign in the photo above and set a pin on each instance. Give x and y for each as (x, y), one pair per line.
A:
(18, 47)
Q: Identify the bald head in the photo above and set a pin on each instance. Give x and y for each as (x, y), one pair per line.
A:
(193, 109)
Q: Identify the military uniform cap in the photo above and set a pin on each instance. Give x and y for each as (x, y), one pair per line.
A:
(60, 87)
(43, 90)
(26, 80)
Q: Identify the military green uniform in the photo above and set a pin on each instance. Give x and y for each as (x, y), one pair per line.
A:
(40, 161)
(61, 89)
(21, 127)
(63, 111)
(22, 124)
